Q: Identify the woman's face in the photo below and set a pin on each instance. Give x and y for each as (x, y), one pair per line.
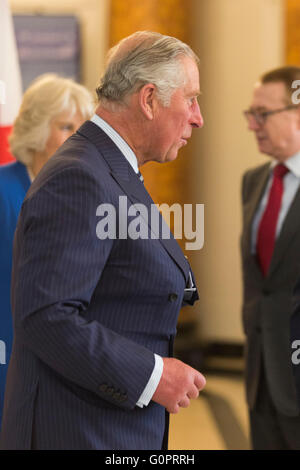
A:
(61, 127)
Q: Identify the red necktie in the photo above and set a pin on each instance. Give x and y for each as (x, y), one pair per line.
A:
(267, 227)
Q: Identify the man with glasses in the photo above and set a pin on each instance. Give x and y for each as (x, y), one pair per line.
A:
(270, 245)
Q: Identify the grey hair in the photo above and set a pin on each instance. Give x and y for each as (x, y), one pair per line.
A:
(144, 57)
(46, 97)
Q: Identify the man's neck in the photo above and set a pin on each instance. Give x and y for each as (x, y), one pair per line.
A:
(282, 158)
(131, 130)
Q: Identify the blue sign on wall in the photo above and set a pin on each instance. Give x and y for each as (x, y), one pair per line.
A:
(47, 44)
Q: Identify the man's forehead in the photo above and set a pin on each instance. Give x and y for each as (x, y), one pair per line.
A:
(192, 78)
(266, 94)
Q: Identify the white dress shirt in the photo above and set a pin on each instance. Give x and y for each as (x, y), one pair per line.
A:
(291, 182)
(132, 160)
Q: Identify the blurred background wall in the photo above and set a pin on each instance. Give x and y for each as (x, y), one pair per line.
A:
(236, 40)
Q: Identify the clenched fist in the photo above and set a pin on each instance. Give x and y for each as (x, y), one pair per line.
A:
(178, 384)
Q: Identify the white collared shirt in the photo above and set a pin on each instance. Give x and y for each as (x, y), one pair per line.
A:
(132, 160)
(291, 183)
(118, 140)
(30, 174)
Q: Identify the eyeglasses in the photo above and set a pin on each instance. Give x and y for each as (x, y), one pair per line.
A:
(261, 117)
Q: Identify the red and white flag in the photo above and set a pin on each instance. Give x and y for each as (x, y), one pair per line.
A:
(10, 80)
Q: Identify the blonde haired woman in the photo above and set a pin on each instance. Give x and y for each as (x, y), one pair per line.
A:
(52, 109)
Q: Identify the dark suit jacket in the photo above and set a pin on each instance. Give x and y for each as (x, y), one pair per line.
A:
(295, 336)
(267, 305)
(88, 313)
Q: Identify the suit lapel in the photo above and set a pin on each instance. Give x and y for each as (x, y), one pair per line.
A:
(136, 191)
(126, 178)
(290, 227)
(252, 205)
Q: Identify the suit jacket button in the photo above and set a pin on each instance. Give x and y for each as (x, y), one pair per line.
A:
(173, 297)
(117, 396)
(103, 388)
(123, 397)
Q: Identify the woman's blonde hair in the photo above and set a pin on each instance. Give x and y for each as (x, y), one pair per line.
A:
(47, 97)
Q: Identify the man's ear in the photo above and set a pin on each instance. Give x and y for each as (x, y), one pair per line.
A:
(147, 100)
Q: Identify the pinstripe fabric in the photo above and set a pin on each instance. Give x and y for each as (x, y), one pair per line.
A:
(118, 140)
(88, 313)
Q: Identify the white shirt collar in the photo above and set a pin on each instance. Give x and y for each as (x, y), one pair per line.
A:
(292, 163)
(118, 140)
(30, 174)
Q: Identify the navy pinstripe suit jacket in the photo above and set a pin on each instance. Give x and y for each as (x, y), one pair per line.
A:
(88, 313)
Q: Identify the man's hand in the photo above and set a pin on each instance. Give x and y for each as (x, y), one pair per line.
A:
(178, 384)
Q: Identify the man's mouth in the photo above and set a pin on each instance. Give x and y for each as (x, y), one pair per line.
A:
(184, 140)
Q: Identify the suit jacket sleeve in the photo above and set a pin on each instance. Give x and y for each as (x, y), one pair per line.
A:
(58, 261)
(244, 187)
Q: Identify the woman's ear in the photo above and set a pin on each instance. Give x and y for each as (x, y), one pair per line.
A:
(147, 100)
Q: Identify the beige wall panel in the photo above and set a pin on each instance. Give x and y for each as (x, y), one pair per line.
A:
(236, 41)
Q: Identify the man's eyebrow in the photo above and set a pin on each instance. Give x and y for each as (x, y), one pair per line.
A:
(257, 108)
(195, 93)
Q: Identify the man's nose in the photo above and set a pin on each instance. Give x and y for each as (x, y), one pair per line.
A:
(197, 118)
(252, 124)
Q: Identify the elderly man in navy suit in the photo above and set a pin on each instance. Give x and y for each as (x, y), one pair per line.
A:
(95, 316)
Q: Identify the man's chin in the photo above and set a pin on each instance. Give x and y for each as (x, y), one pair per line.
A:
(263, 148)
(167, 157)
(170, 157)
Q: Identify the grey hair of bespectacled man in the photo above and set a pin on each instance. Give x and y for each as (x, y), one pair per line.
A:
(144, 57)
